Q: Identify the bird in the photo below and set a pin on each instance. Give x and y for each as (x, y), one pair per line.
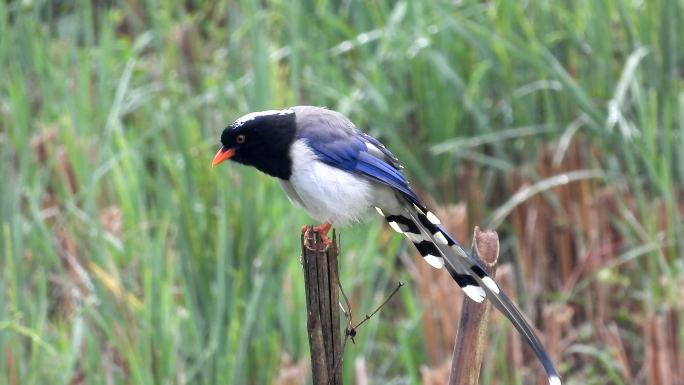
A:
(339, 174)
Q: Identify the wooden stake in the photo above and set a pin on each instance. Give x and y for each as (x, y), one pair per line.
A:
(321, 281)
(469, 346)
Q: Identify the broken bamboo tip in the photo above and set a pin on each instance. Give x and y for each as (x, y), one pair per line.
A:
(470, 338)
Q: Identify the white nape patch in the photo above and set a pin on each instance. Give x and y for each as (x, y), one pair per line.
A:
(436, 262)
(475, 293)
(379, 211)
(328, 193)
(257, 114)
(491, 284)
(554, 380)
(395, 227)
(459, 251)
(433, 218)
(439, 237)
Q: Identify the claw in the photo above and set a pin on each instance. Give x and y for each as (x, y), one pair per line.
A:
(321, 230)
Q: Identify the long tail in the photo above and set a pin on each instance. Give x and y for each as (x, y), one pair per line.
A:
(440, 249)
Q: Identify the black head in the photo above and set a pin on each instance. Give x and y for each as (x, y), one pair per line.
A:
(260, 139)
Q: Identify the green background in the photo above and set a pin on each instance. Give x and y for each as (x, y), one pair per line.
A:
(126, 259)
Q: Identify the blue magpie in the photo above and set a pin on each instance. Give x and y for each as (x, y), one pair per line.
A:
(339, 174)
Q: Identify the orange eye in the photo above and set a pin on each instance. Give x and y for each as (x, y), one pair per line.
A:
(240, 139)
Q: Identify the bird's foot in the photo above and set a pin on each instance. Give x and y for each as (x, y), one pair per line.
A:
(321, 230)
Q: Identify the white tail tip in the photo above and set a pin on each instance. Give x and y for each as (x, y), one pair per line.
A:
(434, 261)
(495, 288)
(433, 218)
(554, 380)
(475, 293)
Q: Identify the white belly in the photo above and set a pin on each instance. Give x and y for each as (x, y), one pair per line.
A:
(329, 194)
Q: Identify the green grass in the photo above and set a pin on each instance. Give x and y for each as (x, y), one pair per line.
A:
(200, 281)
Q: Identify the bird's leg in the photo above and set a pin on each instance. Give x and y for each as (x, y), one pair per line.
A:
(322, 231)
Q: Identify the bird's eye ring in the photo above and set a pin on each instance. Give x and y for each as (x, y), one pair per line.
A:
(240, 139)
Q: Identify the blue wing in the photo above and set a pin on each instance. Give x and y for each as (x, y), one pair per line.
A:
(348, 150)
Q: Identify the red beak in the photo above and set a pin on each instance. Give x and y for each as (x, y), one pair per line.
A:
(222, 155)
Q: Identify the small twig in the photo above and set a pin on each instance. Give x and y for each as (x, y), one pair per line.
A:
(350, 330)
(348, 316)
(396, 289)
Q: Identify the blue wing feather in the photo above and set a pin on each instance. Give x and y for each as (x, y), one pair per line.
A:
(349, 153)
(383, 172)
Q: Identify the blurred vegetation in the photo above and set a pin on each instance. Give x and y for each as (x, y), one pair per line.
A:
(125, 259)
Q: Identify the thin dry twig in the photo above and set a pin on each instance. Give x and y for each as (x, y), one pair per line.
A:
(350, 330)
(396, 289)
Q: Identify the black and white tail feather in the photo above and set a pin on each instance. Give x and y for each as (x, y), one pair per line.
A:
(440, 249)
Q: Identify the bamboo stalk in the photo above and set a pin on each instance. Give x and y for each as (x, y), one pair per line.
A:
(321, 281)
(469, 346)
